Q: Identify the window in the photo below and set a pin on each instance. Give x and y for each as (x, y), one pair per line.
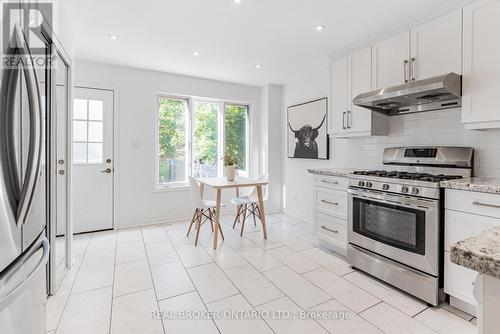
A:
(88, 129)
(194, 134)
(173, 149)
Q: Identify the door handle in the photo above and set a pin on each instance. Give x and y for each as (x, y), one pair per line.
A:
(413, 68)
(343, 120)
(35, 140)
(107, 171)
(61, 172)
(349, 116)
(405, 66)
(329, 229)
(486, 205)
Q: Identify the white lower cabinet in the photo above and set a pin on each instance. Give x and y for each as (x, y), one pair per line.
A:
(330, 212)
(467, 214)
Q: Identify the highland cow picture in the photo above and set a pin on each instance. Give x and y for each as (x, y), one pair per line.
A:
(307, 130)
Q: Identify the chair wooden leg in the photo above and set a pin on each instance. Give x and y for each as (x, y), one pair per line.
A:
(211, 222)
(199, 227)
(219, 228)
(254, 206)
(192, 221)
(244, 219)
(238, 213)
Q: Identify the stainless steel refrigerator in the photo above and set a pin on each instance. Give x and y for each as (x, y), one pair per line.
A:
(24, 248)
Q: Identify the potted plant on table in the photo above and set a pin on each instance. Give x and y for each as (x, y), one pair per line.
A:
(230, 164)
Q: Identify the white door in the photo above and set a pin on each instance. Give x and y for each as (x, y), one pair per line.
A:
(360, 81)
(339, 97)
(436, 47)
(391, 61)
(481, 77)
(92, 159)
(61, 156)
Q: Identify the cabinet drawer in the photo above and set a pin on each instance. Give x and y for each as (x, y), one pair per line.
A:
(473, 202)
(332, 228)
(331, 202)
(458, 280)
(460, 226)
(331, 182)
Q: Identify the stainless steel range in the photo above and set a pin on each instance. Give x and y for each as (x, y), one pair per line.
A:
(395, 225)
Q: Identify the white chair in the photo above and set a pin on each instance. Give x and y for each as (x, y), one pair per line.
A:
(203, 210)
(248, 205)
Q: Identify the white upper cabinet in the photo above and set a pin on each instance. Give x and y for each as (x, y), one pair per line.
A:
(436, 47)
(351, 76)
(391, 61)
(339, 96)
(481, 65)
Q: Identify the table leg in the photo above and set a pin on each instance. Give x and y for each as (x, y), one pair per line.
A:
(217, 219)
(262, 211)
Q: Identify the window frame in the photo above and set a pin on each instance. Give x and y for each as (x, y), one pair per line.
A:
(221, 139)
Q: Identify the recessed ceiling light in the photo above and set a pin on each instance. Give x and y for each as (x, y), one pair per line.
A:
(196, 53)
(258, 66)
(113, 37)
(237, 1)
(320, 28)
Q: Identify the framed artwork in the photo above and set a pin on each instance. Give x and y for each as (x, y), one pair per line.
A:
(307, 130)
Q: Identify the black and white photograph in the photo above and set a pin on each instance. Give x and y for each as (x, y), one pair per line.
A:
(307, 130)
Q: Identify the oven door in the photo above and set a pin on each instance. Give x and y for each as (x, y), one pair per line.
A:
(402, 228)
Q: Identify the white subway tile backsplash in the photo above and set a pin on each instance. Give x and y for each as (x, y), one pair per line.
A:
(442, 127)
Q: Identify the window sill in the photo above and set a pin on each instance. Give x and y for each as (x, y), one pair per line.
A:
(172, 188)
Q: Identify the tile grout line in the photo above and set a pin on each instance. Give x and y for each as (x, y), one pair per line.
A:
(151, 276)
(195, 289)
(72, 285)
(113, 286)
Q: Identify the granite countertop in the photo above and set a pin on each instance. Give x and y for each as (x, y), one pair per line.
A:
(478, 184)
(481, 253)
(342, 172)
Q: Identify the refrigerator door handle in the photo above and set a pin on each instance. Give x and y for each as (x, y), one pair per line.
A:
(35, 144)
(6, 298)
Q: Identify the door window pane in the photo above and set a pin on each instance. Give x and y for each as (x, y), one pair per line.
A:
(79, 109)
(172, 123)
(80, 152)
(79, 130)
(205, 149)
(96, 110)
(95, 153)
(95, 131)
(235, 132)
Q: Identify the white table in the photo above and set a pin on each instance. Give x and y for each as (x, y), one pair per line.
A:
(221, 183)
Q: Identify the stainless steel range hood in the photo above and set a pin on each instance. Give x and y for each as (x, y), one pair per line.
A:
(435, 93)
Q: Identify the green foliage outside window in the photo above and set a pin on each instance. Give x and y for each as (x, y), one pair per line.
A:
(235, 122)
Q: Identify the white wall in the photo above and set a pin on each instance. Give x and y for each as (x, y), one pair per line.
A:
(430, 128)
(137, 200)
(297, 182)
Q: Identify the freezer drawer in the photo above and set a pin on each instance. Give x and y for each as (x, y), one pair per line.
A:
(23, 291)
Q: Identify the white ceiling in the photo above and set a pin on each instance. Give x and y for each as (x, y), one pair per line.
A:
(232, 38)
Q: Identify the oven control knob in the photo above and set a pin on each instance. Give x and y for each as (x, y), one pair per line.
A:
(414, 190)
(404, 189)
(369, 184)
(361, 183)
(385, 186)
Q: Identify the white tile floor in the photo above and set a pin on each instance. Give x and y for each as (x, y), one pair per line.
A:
(153, 280)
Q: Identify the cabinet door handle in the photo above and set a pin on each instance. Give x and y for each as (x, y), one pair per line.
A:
(349, 116)
(328, 202)
(486, 204)
(405, 67)
(329, 182)
(329, 229)
(413, 68)
(343, 120)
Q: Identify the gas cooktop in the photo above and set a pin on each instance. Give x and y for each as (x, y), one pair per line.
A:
(426, 177)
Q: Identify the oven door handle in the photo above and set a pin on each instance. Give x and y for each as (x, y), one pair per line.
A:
(392, 200)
